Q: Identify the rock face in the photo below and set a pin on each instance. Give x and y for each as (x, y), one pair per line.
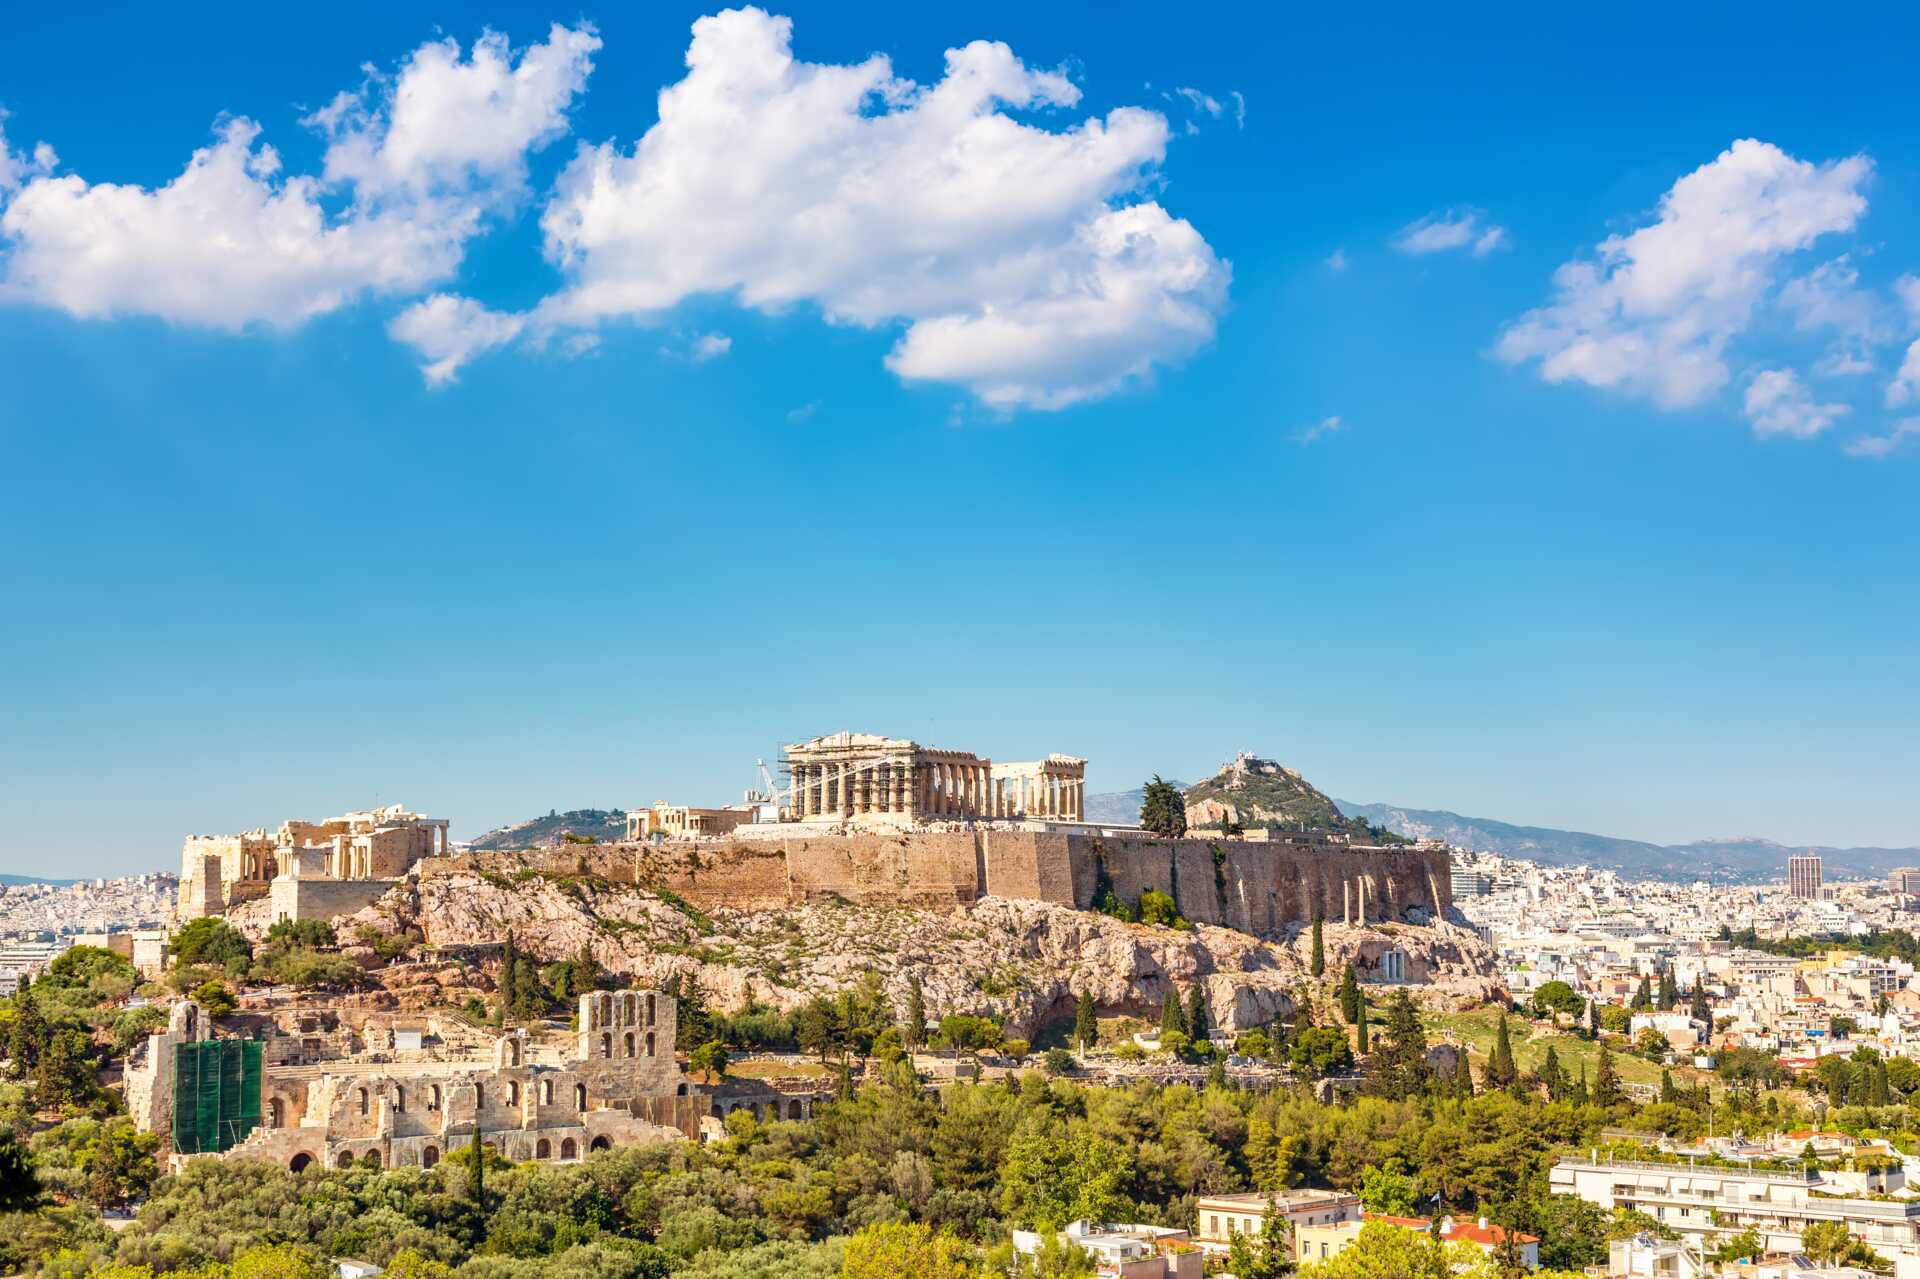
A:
(1026, 961)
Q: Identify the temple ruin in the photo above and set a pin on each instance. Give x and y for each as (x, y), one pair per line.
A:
(869, 779)
(301, 864)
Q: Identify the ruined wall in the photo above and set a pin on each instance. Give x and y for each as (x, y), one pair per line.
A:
(324, 898)
(1257, 887)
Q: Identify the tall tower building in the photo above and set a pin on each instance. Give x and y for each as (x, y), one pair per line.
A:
(1803, 876)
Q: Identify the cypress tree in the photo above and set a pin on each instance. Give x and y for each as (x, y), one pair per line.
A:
(1669, 994)
(1170, 1015)
(1578, 1093)
(1667, 1092)
(1553, 1075)
(1501, 1072)
(1699, 1010)
(1318, 965)
(915, 1030)
(1593, 1019)
(477, 1152)
(1642, 996)
(509, 976)
(1350, 995)
(1879, 1092)
(1360, 1020)
(1086, 1029)
(1197, 1025)
(1606, 1083)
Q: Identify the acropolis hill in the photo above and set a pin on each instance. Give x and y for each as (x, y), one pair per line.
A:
(982, 879)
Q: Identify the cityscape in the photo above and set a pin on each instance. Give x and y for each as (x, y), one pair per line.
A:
(845, 641)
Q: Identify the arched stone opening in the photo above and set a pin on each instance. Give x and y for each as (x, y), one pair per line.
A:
(300, 1162)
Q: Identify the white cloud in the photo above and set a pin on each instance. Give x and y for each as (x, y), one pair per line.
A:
(1451, 229)
(466, 124)
(16, 169)
(1239, 108)
(1652, 313)
(697, 348)
(1778, 404)
(1879, 446)
(1906, 383)
(1337, 261)
(1010, 251)
(805, 411)
(1201, 101)
(1319, 430)
(233, 241)
(1907, 289)
(448, 331)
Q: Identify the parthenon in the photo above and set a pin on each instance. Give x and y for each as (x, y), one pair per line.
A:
(863, 775)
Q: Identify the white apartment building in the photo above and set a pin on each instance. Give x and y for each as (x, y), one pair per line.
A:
(1703, 1203)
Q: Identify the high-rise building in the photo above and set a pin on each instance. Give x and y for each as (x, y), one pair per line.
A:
(1803, 876)
(1905, 879)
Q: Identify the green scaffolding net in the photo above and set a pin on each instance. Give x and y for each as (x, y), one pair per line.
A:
(216, 1094)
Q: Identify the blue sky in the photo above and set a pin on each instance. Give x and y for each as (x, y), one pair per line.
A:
(1150, 440)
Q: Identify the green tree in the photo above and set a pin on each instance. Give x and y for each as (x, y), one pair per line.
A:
(1606, 1082)
(1268, 1255)
(1399, 1065)
(1553, 1075)
(1830, 1243)
(1349, 994)
(913, 1033)
(1642, 996)
(216, 997)
(1669, 993)
(1049, 1178)
(19, 1185)
(1317, 965)
(710, 1059)
(1557, 997)
(1319, 1051)
(1386, 1188)
(1501, 1070)
(1698, 1009)
(1086, 1028)
(1172, 1019)
(119, 1163)
(1197, 1022)
(893, 1249)
(211, 940)
(1163, 810)
(1360, 1025)
(1159, 909)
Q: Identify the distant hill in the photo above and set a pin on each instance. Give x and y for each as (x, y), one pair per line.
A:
(16, 880)
(1260, 791)
(1252, 791)
(603, 824)
(1748, 859)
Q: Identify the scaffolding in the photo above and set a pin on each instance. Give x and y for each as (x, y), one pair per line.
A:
(216, 1094)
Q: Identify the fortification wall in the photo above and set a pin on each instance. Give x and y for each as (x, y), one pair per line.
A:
(1258, 887)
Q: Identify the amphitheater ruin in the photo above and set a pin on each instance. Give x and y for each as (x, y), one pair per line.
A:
(403, 1090)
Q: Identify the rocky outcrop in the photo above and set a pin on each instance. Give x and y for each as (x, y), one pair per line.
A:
(1026, 961)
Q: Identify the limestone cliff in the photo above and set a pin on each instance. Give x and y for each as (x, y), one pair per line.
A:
(1023, 960)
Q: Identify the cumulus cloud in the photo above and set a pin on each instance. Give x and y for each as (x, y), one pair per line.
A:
(1652, 312)
(16, 168)
(1778, 404)
(1337, 261)
(1905, 386)
(1451, 229)
(1319, 430)
(1021, 259)
(448, 331)
(1879, 446)
(232, 241)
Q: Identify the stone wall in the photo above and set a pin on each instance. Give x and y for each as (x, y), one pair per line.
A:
(324, 898)
(1257, 887)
